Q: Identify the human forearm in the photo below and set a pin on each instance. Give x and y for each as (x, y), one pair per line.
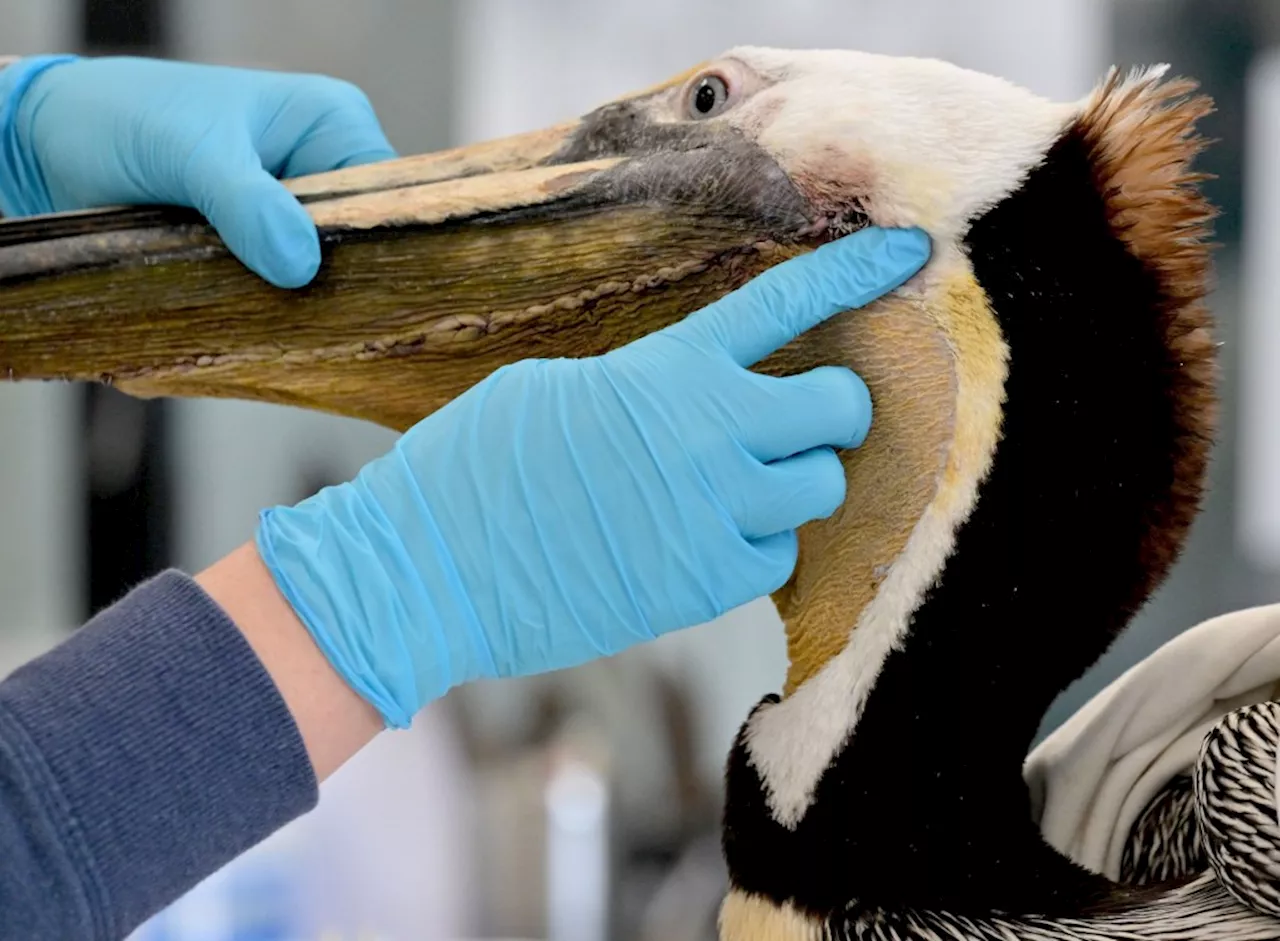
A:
(335, 723)
(136, 758)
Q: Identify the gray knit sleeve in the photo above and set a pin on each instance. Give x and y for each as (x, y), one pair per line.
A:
(136, 759)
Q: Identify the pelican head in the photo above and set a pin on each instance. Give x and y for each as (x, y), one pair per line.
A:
(1044, 394)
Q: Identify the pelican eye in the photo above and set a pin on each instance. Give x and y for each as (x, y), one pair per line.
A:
(708, 97)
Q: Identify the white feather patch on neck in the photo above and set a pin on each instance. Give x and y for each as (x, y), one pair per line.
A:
(792, 743)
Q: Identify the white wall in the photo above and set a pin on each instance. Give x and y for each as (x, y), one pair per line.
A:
(528, 64)
(30, 27)
(1258, 505)
(399, 51)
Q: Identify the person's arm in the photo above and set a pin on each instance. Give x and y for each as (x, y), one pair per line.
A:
(333, 720)
(136, 758)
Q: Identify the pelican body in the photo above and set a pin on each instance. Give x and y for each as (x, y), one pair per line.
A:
(1045, 404)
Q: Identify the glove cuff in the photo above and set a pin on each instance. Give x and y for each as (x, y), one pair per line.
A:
(342, 568)
(23, 191)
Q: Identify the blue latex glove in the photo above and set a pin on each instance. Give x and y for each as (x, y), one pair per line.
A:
(564, 510)
(84, 133)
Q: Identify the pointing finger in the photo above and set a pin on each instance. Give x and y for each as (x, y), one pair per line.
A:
(770, 311)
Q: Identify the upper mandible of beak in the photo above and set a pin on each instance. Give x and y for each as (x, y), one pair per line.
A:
(437, 270)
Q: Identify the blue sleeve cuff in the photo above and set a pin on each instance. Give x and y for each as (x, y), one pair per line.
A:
(136, 759)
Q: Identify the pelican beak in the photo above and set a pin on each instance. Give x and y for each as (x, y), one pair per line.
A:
(437, 270)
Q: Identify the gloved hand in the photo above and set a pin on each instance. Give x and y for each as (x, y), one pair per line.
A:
(84, 133)
(564, 510)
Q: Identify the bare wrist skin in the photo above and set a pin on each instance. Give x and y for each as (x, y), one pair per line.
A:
(334, 721)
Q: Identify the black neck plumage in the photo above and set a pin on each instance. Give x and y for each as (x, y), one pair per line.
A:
(926, 808)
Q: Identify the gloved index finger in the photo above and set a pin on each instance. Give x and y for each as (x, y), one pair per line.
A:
(773, 309)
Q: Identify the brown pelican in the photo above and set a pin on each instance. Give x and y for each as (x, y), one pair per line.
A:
(1045, 402)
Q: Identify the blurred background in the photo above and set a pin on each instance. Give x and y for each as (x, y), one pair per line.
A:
(579, 807)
